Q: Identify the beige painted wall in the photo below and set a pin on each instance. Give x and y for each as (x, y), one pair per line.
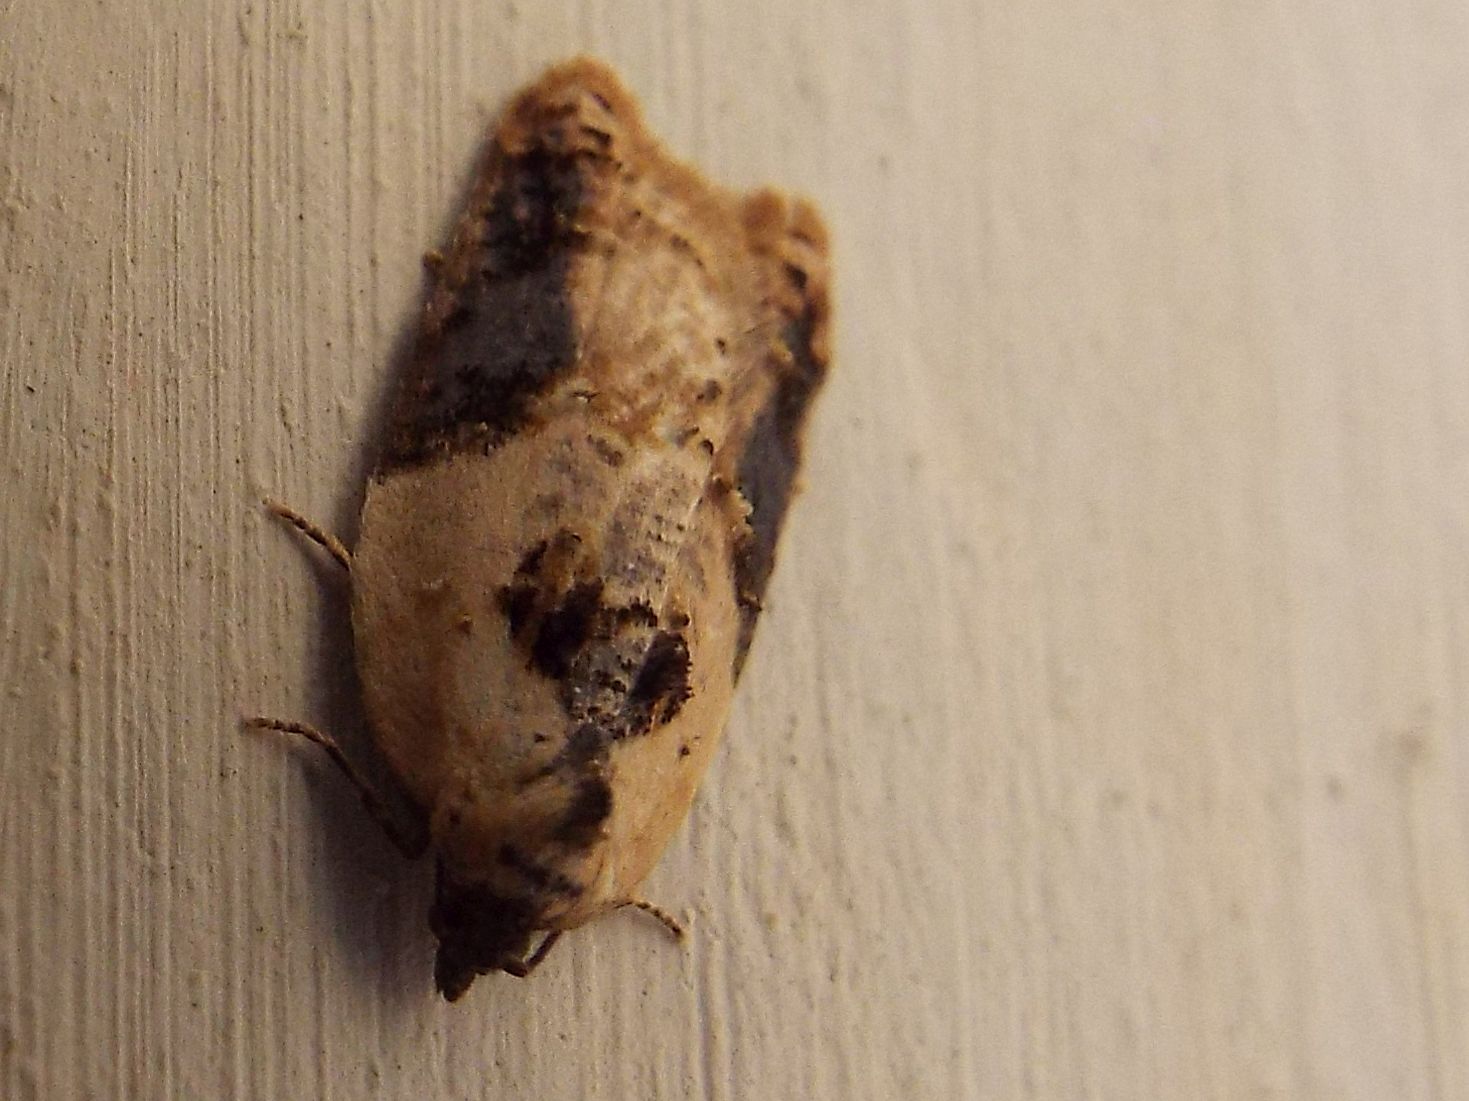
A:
(1106, 736)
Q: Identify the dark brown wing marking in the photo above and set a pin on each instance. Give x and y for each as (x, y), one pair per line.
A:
(766, 470)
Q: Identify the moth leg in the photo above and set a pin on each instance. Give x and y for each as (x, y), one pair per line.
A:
(410, 844)
(668, 921)
(325, 539)
(521, 968)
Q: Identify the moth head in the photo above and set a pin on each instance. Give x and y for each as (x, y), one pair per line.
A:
(479, 931)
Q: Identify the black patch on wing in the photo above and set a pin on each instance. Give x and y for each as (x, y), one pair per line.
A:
(488, 346)
(590, 807)
(767, 470)
(566, 629)
(583, 747)
(661, 685)
(656, 688)
(518, 602)
(617, 669)
(551, 616)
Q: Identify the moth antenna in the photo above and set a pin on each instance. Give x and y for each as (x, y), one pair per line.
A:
(668, 921)
(411, 845)
(328, 542)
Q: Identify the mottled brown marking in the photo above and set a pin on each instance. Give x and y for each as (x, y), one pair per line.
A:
(612, 456)
(662, 684)
(587, 741)
(550, 504)
(536, 874)
(518, 602)
(550, 615)
(598, 135)
(566, 628)
(589, 808)
(639, 611)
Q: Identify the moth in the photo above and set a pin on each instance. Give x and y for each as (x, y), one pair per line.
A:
(574, 514)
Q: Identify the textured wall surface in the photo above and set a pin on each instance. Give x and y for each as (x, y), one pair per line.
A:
(1106, 735)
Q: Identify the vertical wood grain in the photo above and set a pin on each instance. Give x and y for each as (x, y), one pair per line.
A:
(1106, 733)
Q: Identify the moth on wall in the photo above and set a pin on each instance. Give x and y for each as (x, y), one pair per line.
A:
(574, 514)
